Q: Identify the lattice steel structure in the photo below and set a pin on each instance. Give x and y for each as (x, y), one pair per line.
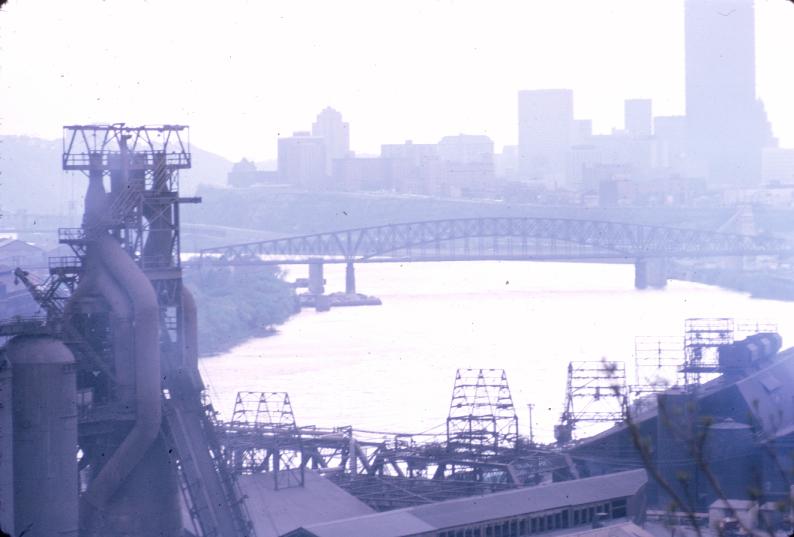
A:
(596, 392)
(500, 238)
(743, 328)
(267, 413)
(141, 165)
(702, 339)
(482, 419)
(657, 363)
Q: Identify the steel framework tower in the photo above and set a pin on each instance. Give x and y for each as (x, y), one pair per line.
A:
(268, 413)
(596, 393)
(482, 419)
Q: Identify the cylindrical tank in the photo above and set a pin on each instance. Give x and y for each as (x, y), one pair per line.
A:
(6, 449)
(731, 459)
(675, 436)
(146, 502)
(45, 436)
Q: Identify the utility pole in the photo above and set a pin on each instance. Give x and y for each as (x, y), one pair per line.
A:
(530, 406)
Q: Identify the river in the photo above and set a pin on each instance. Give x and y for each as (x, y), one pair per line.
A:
(392, 367)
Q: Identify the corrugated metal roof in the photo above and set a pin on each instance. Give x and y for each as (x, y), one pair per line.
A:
(389, 524)
(275, 512)
(768, 393)
(461, 511)
(530, 499)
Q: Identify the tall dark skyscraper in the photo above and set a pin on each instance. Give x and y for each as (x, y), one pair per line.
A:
(726, 124)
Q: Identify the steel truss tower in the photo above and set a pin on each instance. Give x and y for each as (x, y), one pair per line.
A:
(596, 393)
(482, 419)
(267, 413)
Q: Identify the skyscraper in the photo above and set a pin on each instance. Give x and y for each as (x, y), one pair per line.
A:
(638, 117)
(545, 128)
(726, 125)
(301, 161)
(336, 134)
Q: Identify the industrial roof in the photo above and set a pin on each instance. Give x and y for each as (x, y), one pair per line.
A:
(462, 511)
(275, 512)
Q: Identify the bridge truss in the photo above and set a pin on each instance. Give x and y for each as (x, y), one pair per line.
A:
(499, 238)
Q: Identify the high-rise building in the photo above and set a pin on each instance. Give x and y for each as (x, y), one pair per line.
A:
(336, 134)
(637, 114)
(301, 161)
(466, 148)
(582, 131)
(726, 125)
(778, 166)
(671, 141)
(545, 125)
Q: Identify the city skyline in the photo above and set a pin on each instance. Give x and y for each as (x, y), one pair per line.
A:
(402, 85)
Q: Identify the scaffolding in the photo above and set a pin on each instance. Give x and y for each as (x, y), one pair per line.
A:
(482, 419)
(596, 392)
(657, 364)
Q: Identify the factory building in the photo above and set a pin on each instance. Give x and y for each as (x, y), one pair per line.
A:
(559, 508)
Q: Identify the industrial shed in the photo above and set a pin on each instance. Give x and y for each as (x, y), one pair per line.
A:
(559, 508)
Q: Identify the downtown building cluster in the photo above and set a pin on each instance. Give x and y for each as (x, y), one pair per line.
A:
(721, 151)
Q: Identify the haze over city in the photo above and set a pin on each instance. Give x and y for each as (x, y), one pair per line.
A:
(429, 268)
(241, 73)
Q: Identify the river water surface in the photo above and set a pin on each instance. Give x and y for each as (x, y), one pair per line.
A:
(392, 367)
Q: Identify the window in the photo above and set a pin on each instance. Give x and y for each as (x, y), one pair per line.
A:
(514, 528)
(558, 520)
(489, 531)
(549, 522)
(542, 524)
(498, 532)
(469, 533)
(565, 519)
(522, 527)
(619, 509)
(476, 532)
(590, 514)
(534, 524)
(576, 517)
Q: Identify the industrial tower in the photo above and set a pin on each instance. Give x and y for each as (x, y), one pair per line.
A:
(120, 307)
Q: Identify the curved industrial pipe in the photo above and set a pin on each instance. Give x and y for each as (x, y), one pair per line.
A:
(123, 342)
(190, 339)
(146, 352)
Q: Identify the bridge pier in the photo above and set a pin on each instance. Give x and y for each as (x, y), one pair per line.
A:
(650, 272)
(316, 279)
(350, 278)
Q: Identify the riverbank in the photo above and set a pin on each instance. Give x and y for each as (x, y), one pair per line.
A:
(236, 304)
(767, 284)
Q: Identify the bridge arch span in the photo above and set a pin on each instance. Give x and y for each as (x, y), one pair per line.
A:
(511, 238)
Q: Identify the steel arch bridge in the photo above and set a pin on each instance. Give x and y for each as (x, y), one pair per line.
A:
(514, 238)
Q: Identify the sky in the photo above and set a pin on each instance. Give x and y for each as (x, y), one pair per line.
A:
(241, 73)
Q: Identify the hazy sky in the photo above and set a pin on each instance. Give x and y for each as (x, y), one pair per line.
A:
(239, 73)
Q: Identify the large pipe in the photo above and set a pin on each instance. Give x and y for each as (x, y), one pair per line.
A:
(190, 340)
(123, 343)
(146, 351)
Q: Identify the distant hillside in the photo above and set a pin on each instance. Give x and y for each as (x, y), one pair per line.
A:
(31, 178)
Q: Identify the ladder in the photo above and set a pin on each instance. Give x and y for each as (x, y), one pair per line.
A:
(215, 501)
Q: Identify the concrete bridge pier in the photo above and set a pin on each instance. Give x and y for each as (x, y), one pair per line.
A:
(650, 272)
(316, 279)
(350, 278)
